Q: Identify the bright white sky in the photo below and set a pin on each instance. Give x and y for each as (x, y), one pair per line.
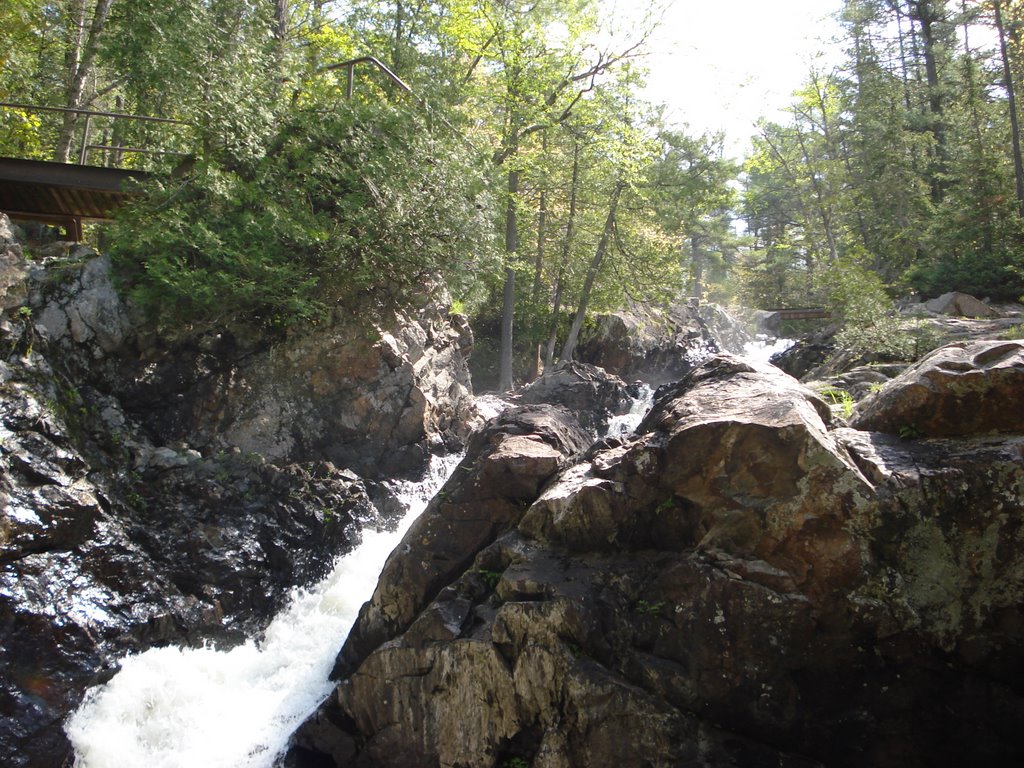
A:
(720, 65)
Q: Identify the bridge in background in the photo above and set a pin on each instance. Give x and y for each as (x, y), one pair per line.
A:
(69, 193)
(60, 193)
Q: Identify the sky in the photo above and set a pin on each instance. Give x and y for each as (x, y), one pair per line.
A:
(720, 65)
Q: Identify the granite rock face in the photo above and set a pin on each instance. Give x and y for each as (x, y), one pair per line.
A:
(591, 394)
(109, 544)
(506, 465)
(740, 583)
(376, 397)
(153, 495)
(964, 388)
(653, 345)
(960, 305)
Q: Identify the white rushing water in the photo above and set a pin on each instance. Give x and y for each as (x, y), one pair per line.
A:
(763, 347)
(185, 707)
(625, 423)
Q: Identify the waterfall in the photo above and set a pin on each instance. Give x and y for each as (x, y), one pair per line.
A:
(763, 347)
(184, 707)
(625, 423)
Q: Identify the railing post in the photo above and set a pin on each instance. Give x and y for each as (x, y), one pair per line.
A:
(85, 141)
(351, 81)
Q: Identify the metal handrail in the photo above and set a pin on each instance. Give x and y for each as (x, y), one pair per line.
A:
(89, 115)
(350, 66)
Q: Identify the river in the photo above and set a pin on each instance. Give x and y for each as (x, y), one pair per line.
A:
(178, 707)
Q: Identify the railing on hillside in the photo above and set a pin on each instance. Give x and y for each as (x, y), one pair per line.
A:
(89, 114)
(350, 75)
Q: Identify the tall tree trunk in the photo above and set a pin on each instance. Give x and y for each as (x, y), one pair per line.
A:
(396, 54)
(595, 265)
(505, 378)
(570, 229)
(1018, 165)
(80, 58)
(928, 18)
(697, 259)
(904, 68)
(542, 220)
(280, 31)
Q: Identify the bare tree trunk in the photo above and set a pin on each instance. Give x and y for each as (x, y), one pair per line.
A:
(928, 17)
(505, 378)
(697, 259)
(280, 32)
(595, 265)
(570, 229)
(542, 220)
(80, 58)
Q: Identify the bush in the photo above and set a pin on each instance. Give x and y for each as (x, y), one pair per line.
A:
(870, 323)
(353, 202)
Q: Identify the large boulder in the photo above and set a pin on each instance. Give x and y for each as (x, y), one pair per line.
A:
(965, 388)
(506, 465)
(650, 344)
(736, 585)
(960, 305)
(592, 394)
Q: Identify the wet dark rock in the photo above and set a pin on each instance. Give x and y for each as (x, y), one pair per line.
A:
(99, 557)
(129, 514)
(590, 393)
(807, 354)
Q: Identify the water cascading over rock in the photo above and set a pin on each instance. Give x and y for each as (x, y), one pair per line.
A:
(153, 493)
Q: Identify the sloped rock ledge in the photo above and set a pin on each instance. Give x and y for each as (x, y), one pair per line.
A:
(737, 585)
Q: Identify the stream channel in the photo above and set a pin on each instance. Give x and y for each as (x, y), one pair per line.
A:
(176, 707)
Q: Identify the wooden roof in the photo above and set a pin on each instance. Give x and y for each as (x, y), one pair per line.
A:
(56, 191)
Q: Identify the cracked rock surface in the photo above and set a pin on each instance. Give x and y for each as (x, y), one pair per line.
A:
(743, 582)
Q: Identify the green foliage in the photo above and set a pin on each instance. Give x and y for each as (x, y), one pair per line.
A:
(896, 164)
(350, 202)
(1013, 332)
(870, 322)
(839, 398)
(650, 609)
(490, 578)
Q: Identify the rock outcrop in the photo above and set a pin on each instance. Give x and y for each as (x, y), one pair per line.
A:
(739, 584)
(643, 343)
(152, 495)
(960, 305)
(965, 388)
(102, 554)
(372, 396)
(590, 393)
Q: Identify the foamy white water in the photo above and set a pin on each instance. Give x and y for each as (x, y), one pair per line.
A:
(625, 423)
(185, 707)
(763, 347)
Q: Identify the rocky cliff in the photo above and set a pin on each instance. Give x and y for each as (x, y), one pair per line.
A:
(153, 493)
(744, 582)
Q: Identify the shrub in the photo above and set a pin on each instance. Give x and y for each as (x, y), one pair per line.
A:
(870, 323)
(355, 201)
